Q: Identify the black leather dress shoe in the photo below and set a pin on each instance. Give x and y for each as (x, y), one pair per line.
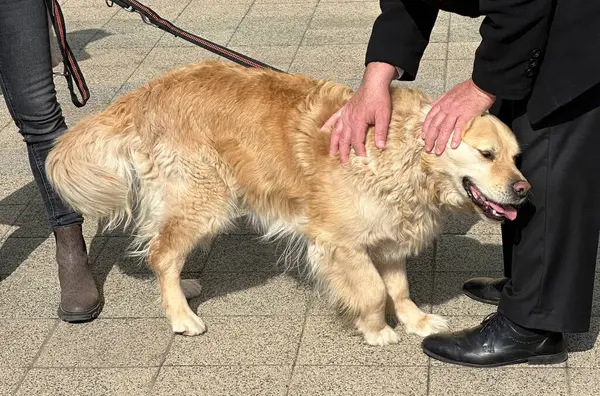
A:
(496, 342)
(485, 290)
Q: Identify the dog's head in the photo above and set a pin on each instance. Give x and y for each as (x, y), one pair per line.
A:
(481, 173)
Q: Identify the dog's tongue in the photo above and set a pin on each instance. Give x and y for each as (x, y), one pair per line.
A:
(508, 211)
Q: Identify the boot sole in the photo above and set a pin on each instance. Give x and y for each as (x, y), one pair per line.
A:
(556, 358)
(79, 317)
(479, 299)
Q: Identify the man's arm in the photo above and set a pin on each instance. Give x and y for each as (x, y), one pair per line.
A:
(514, 35)
(400, 35)
(513, 39)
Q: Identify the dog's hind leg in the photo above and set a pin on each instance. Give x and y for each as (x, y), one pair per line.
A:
(167, 255)
(393, 272)
(355, 284)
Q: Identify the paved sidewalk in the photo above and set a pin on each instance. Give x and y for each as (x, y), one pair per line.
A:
(268, 333)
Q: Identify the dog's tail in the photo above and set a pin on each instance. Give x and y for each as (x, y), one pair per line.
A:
(92, 168)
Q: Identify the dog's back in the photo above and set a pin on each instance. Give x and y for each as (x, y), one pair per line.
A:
(243, 135)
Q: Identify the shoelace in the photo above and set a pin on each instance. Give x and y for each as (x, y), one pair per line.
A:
(491, 322)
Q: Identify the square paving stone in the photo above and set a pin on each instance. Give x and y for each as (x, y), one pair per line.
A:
(337, 63)
(10, 379)
(453, 381)
(223, 380)
(429, 78)
(239, 293)
(584, 350)
(482, 252)
(274, 24)
(469, 224)
(358, 380)
(18, 190)
(341, 23)
(239, 340)
(21, 340)
(209, 21)
(244, 253)
(464, 28)
(327, 340)
(458, 71)
(584, 382)
(107, 343)
(87, 381)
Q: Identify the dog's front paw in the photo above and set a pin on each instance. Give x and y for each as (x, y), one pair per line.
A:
(428, 324)
(188, 323)
(385, 336)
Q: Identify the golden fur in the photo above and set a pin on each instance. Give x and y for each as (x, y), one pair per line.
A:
(187, 153)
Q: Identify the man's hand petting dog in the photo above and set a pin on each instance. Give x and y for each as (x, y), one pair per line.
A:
(370, 106)
(451, 112)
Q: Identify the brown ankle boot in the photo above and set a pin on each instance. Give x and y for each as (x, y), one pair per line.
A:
(79, 297)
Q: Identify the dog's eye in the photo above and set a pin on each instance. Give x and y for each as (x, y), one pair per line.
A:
(487, 155)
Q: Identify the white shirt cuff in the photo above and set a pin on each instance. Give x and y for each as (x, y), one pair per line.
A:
(399, 71)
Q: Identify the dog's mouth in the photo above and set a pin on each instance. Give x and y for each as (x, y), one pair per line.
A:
(492, 210)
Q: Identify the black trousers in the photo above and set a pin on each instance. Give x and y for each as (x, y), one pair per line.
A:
(550, 249)
(27, 84)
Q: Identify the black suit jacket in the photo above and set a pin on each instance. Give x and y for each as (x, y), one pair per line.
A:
(547, 51)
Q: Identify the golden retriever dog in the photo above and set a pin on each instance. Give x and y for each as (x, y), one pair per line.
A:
(183, 156)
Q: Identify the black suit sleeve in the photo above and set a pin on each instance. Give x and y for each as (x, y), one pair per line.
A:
(400, 34)
(513, 34)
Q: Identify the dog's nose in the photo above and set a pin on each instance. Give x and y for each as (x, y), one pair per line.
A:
(521, 188)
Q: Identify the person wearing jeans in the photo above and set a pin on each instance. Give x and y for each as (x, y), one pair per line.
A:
(27, 83)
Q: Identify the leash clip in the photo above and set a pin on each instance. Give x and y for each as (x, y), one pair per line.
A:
(129, 8)
(146, 20)
(111, 3)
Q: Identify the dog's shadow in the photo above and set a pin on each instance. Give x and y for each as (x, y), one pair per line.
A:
(240, 261)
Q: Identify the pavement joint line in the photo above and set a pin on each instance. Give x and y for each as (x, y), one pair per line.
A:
(568, 380)
(162, 363)
(431, 290)
(207, 257)
(303, 35)
(21, 380)
(22, 214)
(300, 339)
(239, 24)
(5, 235)
(447, 49)
(37, 355)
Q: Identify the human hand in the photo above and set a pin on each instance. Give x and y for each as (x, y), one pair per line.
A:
(451, 112)
(371, 105)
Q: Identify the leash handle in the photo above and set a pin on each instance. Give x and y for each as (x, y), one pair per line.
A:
(71, 68)
(150, 17)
